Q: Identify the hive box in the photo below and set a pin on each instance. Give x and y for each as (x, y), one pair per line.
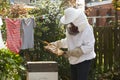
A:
(42, 70)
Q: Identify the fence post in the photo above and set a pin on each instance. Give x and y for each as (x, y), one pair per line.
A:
(116, 14)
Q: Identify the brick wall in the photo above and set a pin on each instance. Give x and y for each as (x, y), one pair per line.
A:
(102, 10)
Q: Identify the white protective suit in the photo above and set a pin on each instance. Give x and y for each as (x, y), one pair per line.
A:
(80, 46)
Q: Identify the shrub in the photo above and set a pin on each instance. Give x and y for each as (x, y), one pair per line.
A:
(11, 67)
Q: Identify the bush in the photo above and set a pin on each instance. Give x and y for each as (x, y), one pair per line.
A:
(11, 67)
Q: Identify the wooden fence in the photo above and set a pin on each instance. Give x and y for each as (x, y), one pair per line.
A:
(107, 48)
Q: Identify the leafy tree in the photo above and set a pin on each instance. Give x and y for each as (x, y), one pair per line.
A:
(116, 4)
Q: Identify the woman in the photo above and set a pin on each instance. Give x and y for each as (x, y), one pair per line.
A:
(79, 41)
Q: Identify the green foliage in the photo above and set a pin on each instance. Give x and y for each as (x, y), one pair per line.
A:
(47, 17)
(4, 6)
(110, 75)
(11, 67)
(116, 4)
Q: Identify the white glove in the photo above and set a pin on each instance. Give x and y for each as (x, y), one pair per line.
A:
(54, 49)
(77, 52)
(57, 43)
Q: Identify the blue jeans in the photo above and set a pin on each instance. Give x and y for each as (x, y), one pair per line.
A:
(80, 71)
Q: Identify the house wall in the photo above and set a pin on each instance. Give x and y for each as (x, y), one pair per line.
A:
(102, 15)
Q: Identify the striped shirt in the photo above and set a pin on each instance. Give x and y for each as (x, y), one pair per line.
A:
(13, 35)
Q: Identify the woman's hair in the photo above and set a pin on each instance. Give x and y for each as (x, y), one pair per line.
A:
(72, 29)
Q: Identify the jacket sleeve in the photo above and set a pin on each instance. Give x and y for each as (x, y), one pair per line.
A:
(60, 43)
(77, 52)
(88, 42)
